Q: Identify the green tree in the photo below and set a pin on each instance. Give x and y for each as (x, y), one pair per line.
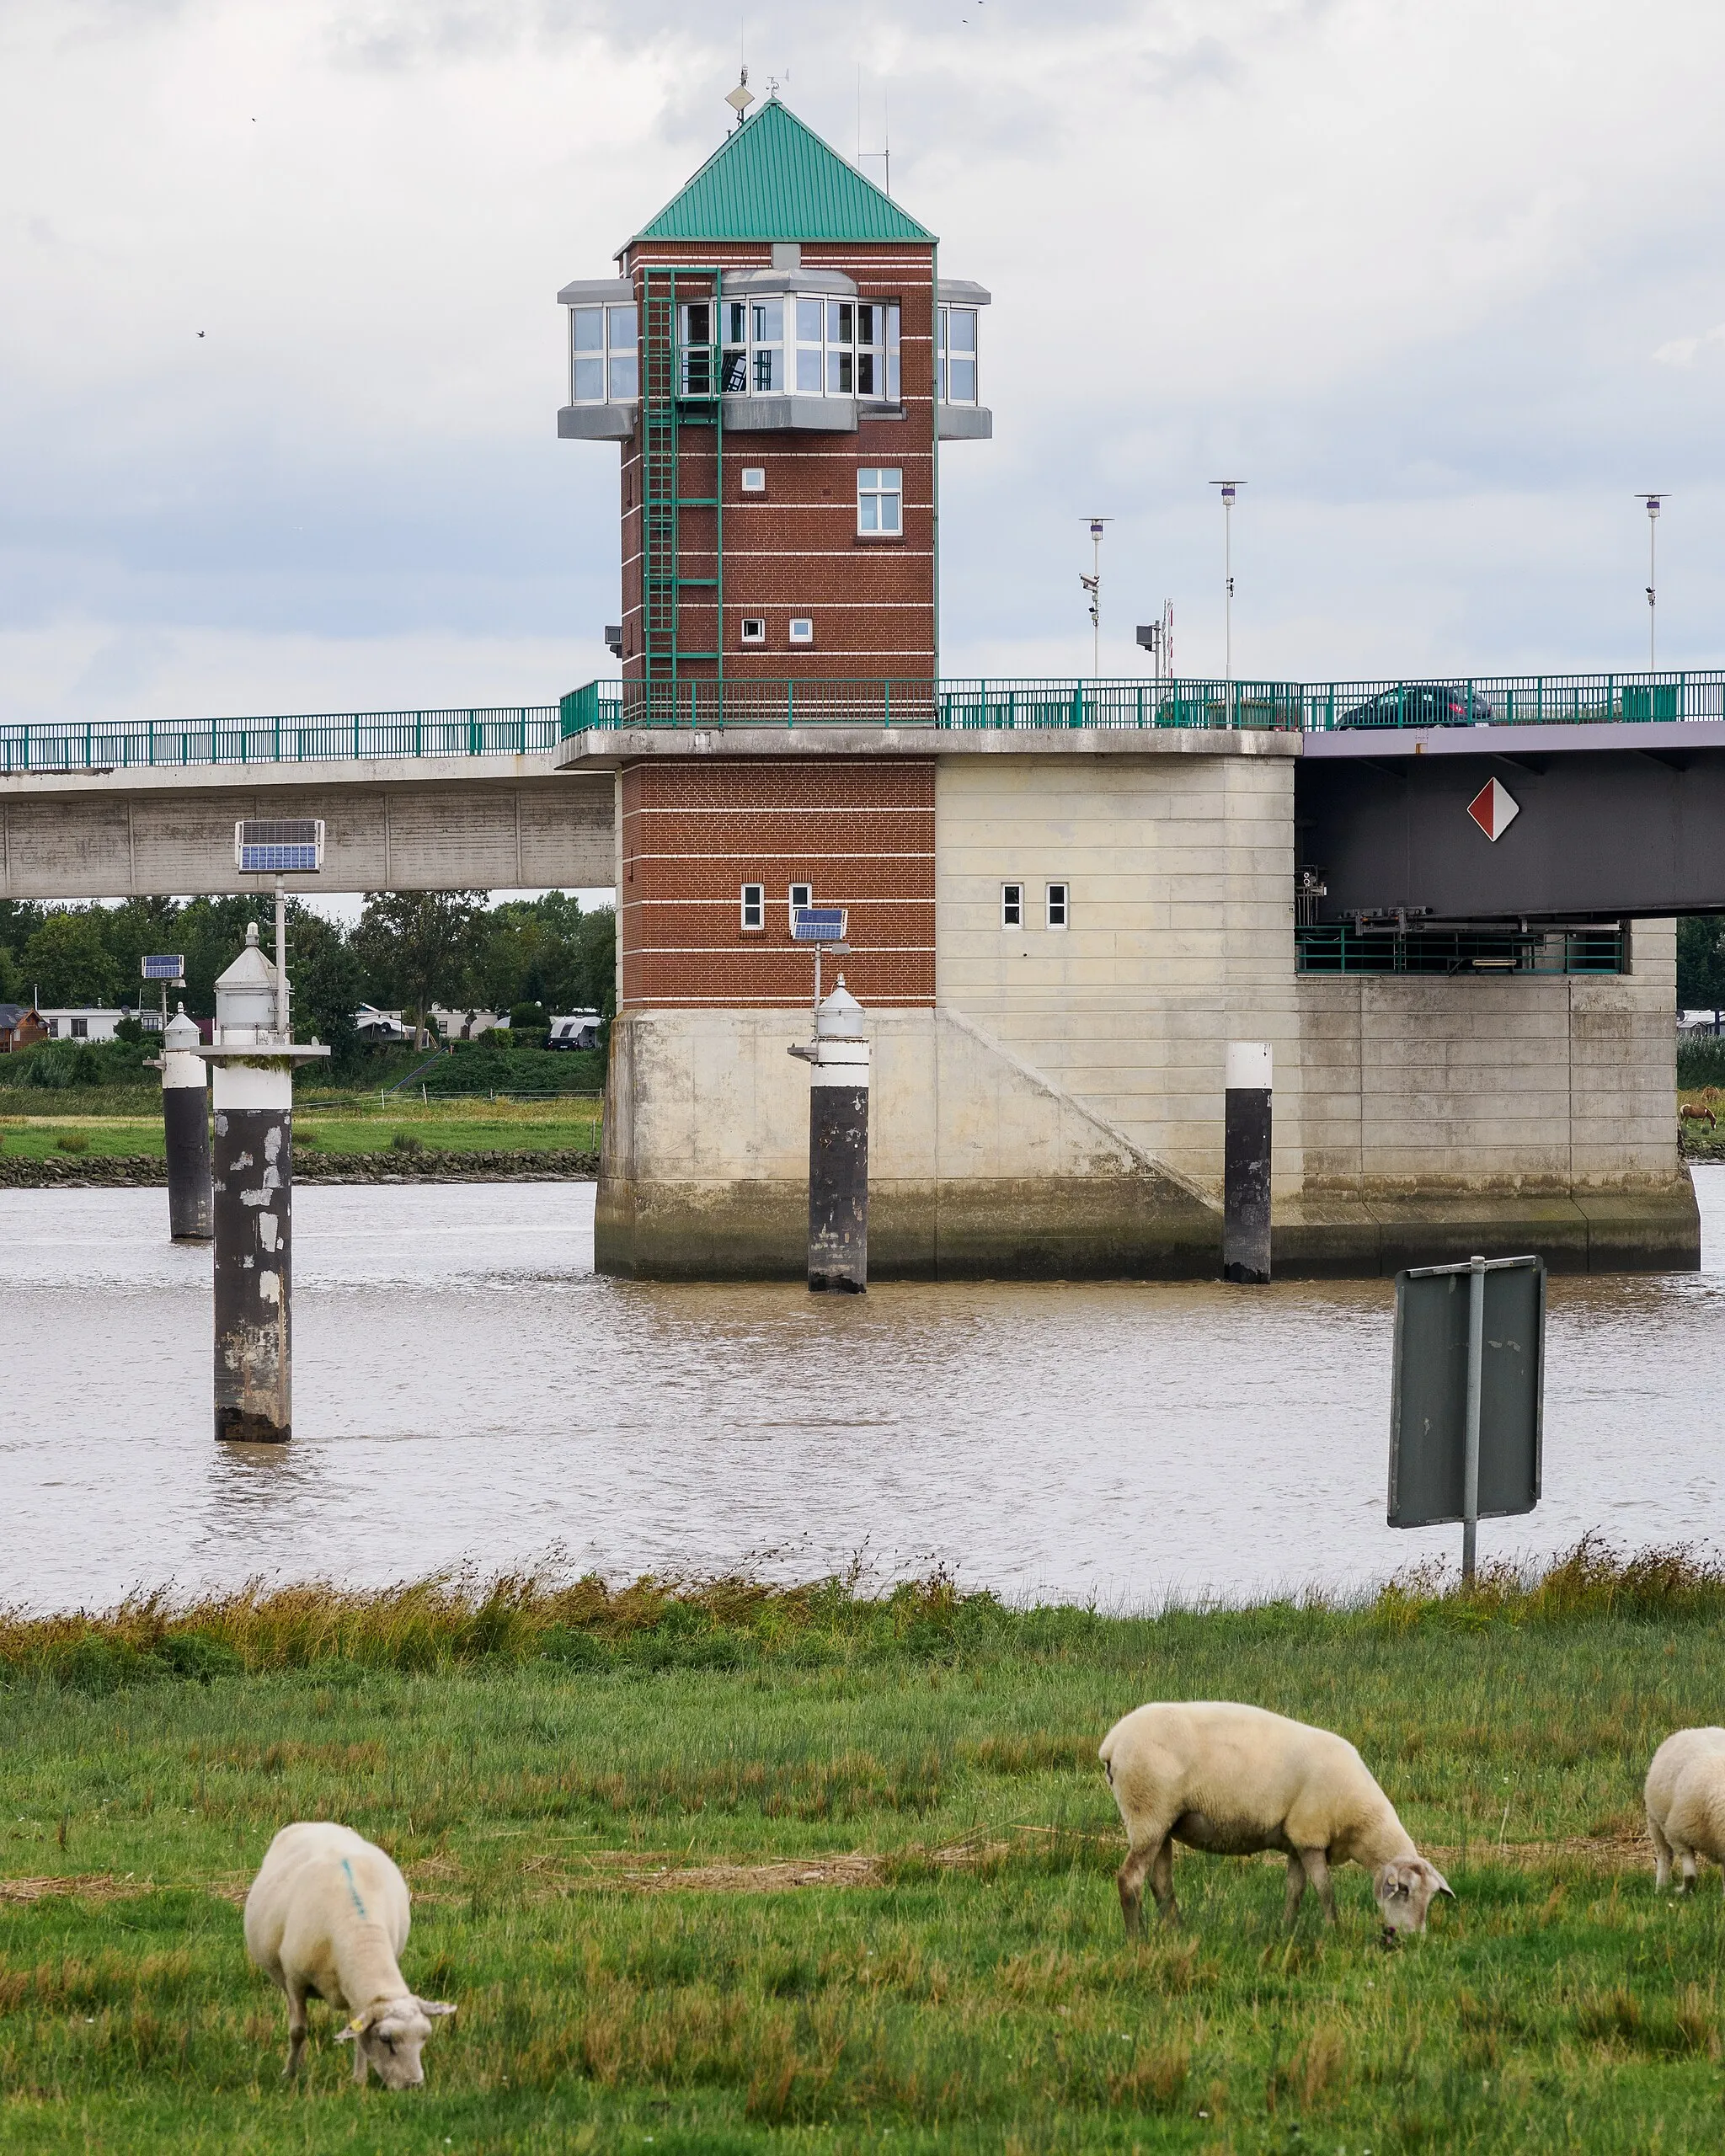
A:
(211, 933)
(1700, 962)
(67, 960)
(328, 984)
(417, 944)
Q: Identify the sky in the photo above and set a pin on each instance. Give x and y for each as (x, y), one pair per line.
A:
(280, 357)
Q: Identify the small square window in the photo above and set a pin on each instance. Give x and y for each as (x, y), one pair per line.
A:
(1012, 905)
(754, 629)
(1057, 906)
(753, 912)
(754, 479)
(802, 629)
(801, 894)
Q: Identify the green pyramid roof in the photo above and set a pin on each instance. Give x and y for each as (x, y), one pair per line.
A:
(772, 178)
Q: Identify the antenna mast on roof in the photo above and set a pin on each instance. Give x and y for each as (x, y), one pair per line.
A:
(740, 99)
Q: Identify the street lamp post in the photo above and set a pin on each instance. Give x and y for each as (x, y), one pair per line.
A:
(1652, 502)
(1092, 585)
(1231, 489)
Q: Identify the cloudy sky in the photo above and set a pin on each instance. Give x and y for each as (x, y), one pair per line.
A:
(1443, 282)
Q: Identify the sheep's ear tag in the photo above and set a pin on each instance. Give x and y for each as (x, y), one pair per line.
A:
(356, 2028)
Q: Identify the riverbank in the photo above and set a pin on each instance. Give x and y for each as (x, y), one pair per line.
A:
(337, 1139)
(739, 1868)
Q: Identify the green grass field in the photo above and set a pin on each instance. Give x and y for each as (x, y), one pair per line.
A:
(741, 1871)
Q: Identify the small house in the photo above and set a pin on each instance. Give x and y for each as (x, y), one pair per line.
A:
(20, 1026)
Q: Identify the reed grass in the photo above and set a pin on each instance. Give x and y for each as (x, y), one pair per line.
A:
(591, 1801)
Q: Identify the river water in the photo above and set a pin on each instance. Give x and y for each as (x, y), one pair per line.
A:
(468, 1391)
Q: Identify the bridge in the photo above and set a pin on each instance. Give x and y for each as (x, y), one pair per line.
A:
(1615, 782)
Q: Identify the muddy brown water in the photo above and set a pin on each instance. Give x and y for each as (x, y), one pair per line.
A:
(468, 1390)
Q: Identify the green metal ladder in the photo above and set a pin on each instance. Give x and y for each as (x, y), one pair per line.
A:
(680, 387)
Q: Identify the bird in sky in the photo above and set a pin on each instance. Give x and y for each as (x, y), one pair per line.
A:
(200, 333)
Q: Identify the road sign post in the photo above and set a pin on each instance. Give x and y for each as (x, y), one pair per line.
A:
(1466, 1405)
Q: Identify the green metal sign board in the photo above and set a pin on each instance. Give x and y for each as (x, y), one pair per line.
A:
(1465, 1414)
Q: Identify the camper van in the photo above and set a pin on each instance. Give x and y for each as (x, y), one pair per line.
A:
(580, 1029)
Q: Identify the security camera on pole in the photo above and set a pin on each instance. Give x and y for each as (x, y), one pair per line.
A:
(838, 1118)
(253, 1054)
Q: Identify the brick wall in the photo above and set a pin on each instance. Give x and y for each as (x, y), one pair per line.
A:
(862, 834)
(795, 549)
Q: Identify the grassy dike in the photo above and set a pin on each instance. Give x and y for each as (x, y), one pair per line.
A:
(730, 1868)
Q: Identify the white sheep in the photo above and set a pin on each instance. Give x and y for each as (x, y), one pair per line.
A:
(1235, 1779)
(326, 1916)
(1686, 1800)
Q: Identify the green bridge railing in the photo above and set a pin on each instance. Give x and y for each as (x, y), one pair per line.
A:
(1010, 705)
(321, 738)
(1281, 707)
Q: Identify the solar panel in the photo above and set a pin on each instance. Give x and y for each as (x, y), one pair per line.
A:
(290, 845)
(819, 924)
(164, 965)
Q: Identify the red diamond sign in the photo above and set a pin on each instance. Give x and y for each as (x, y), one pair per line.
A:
(1494, 809)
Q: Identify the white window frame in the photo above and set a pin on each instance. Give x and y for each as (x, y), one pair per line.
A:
(943, 352)
(801, 629)
(615, 343)
(751, 909)
(829, 353)
(1057, 907)
(1012, 905)
(754, 480)
(753, 629)
(799, 895)
(871, 489)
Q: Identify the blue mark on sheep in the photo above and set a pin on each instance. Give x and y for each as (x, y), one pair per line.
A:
(352, 1889)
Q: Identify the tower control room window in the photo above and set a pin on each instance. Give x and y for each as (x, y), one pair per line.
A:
(880, 501)
(603, 356)
(769, 346)
(957, 355)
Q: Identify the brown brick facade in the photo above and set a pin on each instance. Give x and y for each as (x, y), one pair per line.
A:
(796, 549)
(861, 833)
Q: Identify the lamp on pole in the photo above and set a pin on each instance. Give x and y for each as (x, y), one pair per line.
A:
(1092, 585)
(1231, 489)
(1652, 502)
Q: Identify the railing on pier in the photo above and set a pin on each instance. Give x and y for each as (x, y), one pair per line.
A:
(1342, 947)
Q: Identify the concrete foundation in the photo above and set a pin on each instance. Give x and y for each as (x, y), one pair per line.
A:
(1059, 1113)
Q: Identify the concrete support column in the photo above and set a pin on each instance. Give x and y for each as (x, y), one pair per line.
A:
(253, 1210)
(1245, 1163)
(838, 1149)
(185, 1121)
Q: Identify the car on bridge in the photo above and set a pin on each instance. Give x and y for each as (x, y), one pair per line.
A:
(1421, 703)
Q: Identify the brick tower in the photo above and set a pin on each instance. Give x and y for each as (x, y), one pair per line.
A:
(778, 360)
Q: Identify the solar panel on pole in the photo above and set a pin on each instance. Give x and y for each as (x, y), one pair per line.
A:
(285, 845)
(819, 924)
(164, 965)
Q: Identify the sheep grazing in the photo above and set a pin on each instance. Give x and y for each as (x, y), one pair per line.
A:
(326, 1917)
(1235, 1779)
(1686, 1800)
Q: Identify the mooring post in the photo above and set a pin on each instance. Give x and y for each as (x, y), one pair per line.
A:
(186, 1123)
(1245, 1163)
(253, 1056)
(1470, 1454)
(838, 1147)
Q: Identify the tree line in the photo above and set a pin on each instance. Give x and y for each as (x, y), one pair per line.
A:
(408, 950)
